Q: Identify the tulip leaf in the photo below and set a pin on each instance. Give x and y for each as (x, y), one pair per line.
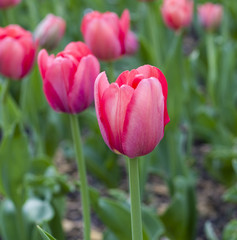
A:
(10, 114)
(14, 164)
(8, 216)
(37, 210)
(182, 211)
(230, 231)
(210, 233)
(45, 235)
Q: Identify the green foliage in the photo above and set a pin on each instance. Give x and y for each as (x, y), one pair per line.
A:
(230, 231)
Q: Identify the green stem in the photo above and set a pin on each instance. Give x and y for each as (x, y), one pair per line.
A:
(20, 224)
(5, 88)
(136, 217)
(110, 71)
(212, 70)
(153, 26)
(82, 173)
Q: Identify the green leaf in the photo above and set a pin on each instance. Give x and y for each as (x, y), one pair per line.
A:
(45, 235)
(230, 231)
(8, 220)
(14, 163)
(180, 217)
(231, 194)
(10, 114)
(209, 231)
(38, 211)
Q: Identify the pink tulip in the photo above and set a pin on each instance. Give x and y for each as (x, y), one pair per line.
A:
(68, 78)
(50, 31)
(210, 15)
(17, 51)
(8, 3)
(107, 36)
(132, 112)
(177, 13)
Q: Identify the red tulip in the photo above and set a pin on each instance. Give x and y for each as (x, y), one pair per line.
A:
(132, 112)
(107, 36)
(8, 3)
(68, 78)
(50, 31)
(17, 51)
(210, 15)
(177, 13)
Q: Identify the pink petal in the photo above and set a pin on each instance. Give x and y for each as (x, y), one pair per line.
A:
(113, 107)
(144, 122)
(101, 84)
(102, 40)
(44, 60)
(12, 55)
(150, 71)
(81, 94)
(60, 74)
(131, 43)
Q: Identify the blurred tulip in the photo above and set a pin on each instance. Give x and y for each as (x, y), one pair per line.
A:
(8, 3)
(177, 13)
(68, 78)
(50, 31)
(17, 51)
(132, 112)
(210, 15)
(107, 36)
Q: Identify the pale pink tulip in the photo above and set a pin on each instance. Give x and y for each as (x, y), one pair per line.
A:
(50, 31)
(132, 112)
(8, 3)
(68, 78)
(107, 36)
(17, 51)
(177, 14)
(210, 15)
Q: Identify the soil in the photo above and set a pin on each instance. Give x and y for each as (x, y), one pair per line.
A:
(210, 204)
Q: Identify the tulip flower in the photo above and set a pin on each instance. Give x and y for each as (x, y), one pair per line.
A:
(50, 31)
(68, 78)
(177, 14)
(210, 15)
(107, 36)
(132, 112)
(8, 3)
(17, 51)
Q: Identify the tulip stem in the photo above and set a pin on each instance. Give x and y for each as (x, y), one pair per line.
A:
(136, 217)
(154, 28)
(82, 174)
(211, 58)
(110, 71)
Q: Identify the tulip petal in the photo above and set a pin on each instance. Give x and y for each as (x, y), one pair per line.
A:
(144, 121)
(81, 94)
(60, 74)
(113, 110)
(101, 84)
(102, 40)
(150, 71)
(44, 60)
(12, 55)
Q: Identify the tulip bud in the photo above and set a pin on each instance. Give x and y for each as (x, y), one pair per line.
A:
(177, 13)
(107, 36)
(8, 3)
(17, 51)
(68, 78)
(50, 31)
(210, 15)
(132, 112)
